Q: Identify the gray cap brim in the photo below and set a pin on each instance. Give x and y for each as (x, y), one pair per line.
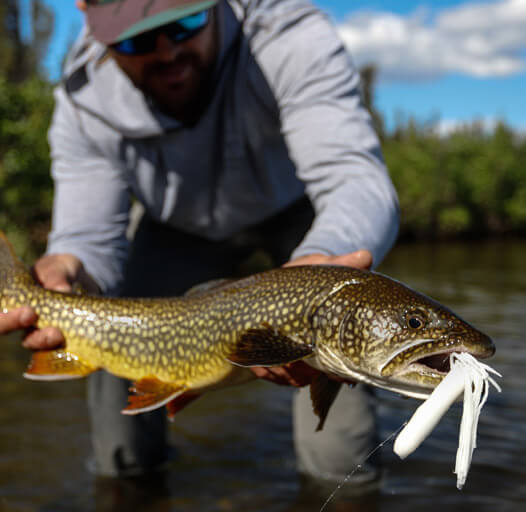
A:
(114, 21)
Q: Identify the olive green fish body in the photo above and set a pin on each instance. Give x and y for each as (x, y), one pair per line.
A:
(351, 323)
(132, 338)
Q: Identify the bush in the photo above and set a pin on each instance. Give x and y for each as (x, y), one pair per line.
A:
(469, 182)
(25, 183)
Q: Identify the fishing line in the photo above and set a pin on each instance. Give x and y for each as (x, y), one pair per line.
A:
(359, 466)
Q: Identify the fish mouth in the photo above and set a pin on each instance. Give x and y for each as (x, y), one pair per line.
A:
(436, 363)
(427, 362)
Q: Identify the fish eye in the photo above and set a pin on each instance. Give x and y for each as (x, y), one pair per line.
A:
(415, 320)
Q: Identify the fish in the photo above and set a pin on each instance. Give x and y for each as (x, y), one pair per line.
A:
(354, 325)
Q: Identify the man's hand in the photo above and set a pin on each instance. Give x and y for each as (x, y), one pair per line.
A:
(58, 272)
(300, 374)
(362, 259)
(296, 374)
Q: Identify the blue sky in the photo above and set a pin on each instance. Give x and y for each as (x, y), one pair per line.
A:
(450, 61)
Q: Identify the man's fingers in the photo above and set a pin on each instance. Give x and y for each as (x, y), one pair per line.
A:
(359, 259)
(51, 276)
(60, 272)
(296, 374)
(309, 259)
(275, 375)
(44, 339)
(19, 318)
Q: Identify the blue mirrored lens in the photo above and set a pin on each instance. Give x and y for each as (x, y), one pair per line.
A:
(180, 30)
(194, 21)
(127, 47)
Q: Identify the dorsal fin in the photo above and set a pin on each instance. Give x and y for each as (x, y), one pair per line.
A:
(200, 289)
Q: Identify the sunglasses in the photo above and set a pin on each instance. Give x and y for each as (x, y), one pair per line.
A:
(178, 31)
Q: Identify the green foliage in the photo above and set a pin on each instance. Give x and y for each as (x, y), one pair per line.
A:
(25, 184)
(472, 181)
(25, 110)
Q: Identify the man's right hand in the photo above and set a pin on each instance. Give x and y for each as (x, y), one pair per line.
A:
(26, 318)
(56, 272)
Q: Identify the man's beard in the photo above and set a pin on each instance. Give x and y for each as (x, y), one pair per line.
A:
(182, 88)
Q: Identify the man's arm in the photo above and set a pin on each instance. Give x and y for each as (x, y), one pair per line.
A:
(336, 152)
(87, 245)
(91, 200)
(329, 134)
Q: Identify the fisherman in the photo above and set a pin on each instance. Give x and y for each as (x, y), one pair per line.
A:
(237, 125)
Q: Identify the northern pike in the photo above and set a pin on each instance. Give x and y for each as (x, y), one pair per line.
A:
(353, 324)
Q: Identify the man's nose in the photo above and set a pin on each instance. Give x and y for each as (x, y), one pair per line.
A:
(165, 48)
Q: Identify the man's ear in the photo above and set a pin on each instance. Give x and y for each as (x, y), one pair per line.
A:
(81, 5)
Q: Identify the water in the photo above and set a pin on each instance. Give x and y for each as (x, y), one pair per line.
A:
(235, 447)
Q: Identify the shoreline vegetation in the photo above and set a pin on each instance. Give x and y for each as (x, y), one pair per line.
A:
(468, 183)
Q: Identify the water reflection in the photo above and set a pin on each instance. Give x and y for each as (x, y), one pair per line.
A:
(235, 447)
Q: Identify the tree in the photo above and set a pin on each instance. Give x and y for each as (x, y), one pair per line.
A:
(25, 110)
(21, 59)
(368, 79)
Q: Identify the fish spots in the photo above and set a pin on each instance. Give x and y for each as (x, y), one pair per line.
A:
(354, 314)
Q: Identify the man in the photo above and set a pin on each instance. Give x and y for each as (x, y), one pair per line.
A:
(237, 125)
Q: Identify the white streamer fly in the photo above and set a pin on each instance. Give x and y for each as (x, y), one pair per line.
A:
(469, 376)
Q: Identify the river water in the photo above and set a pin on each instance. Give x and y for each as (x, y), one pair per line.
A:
(235, 448)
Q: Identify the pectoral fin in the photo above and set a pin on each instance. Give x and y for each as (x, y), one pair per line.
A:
(267, 347)
(151, 393)
(323, 392)
(56, 365)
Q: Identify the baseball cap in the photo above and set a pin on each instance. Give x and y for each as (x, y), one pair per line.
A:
(111, 21)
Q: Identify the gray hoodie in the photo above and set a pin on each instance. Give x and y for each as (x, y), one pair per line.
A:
(285, 119)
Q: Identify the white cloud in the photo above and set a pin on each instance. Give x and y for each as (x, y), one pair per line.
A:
(445, 127)
(477, 39)
(487, 125)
